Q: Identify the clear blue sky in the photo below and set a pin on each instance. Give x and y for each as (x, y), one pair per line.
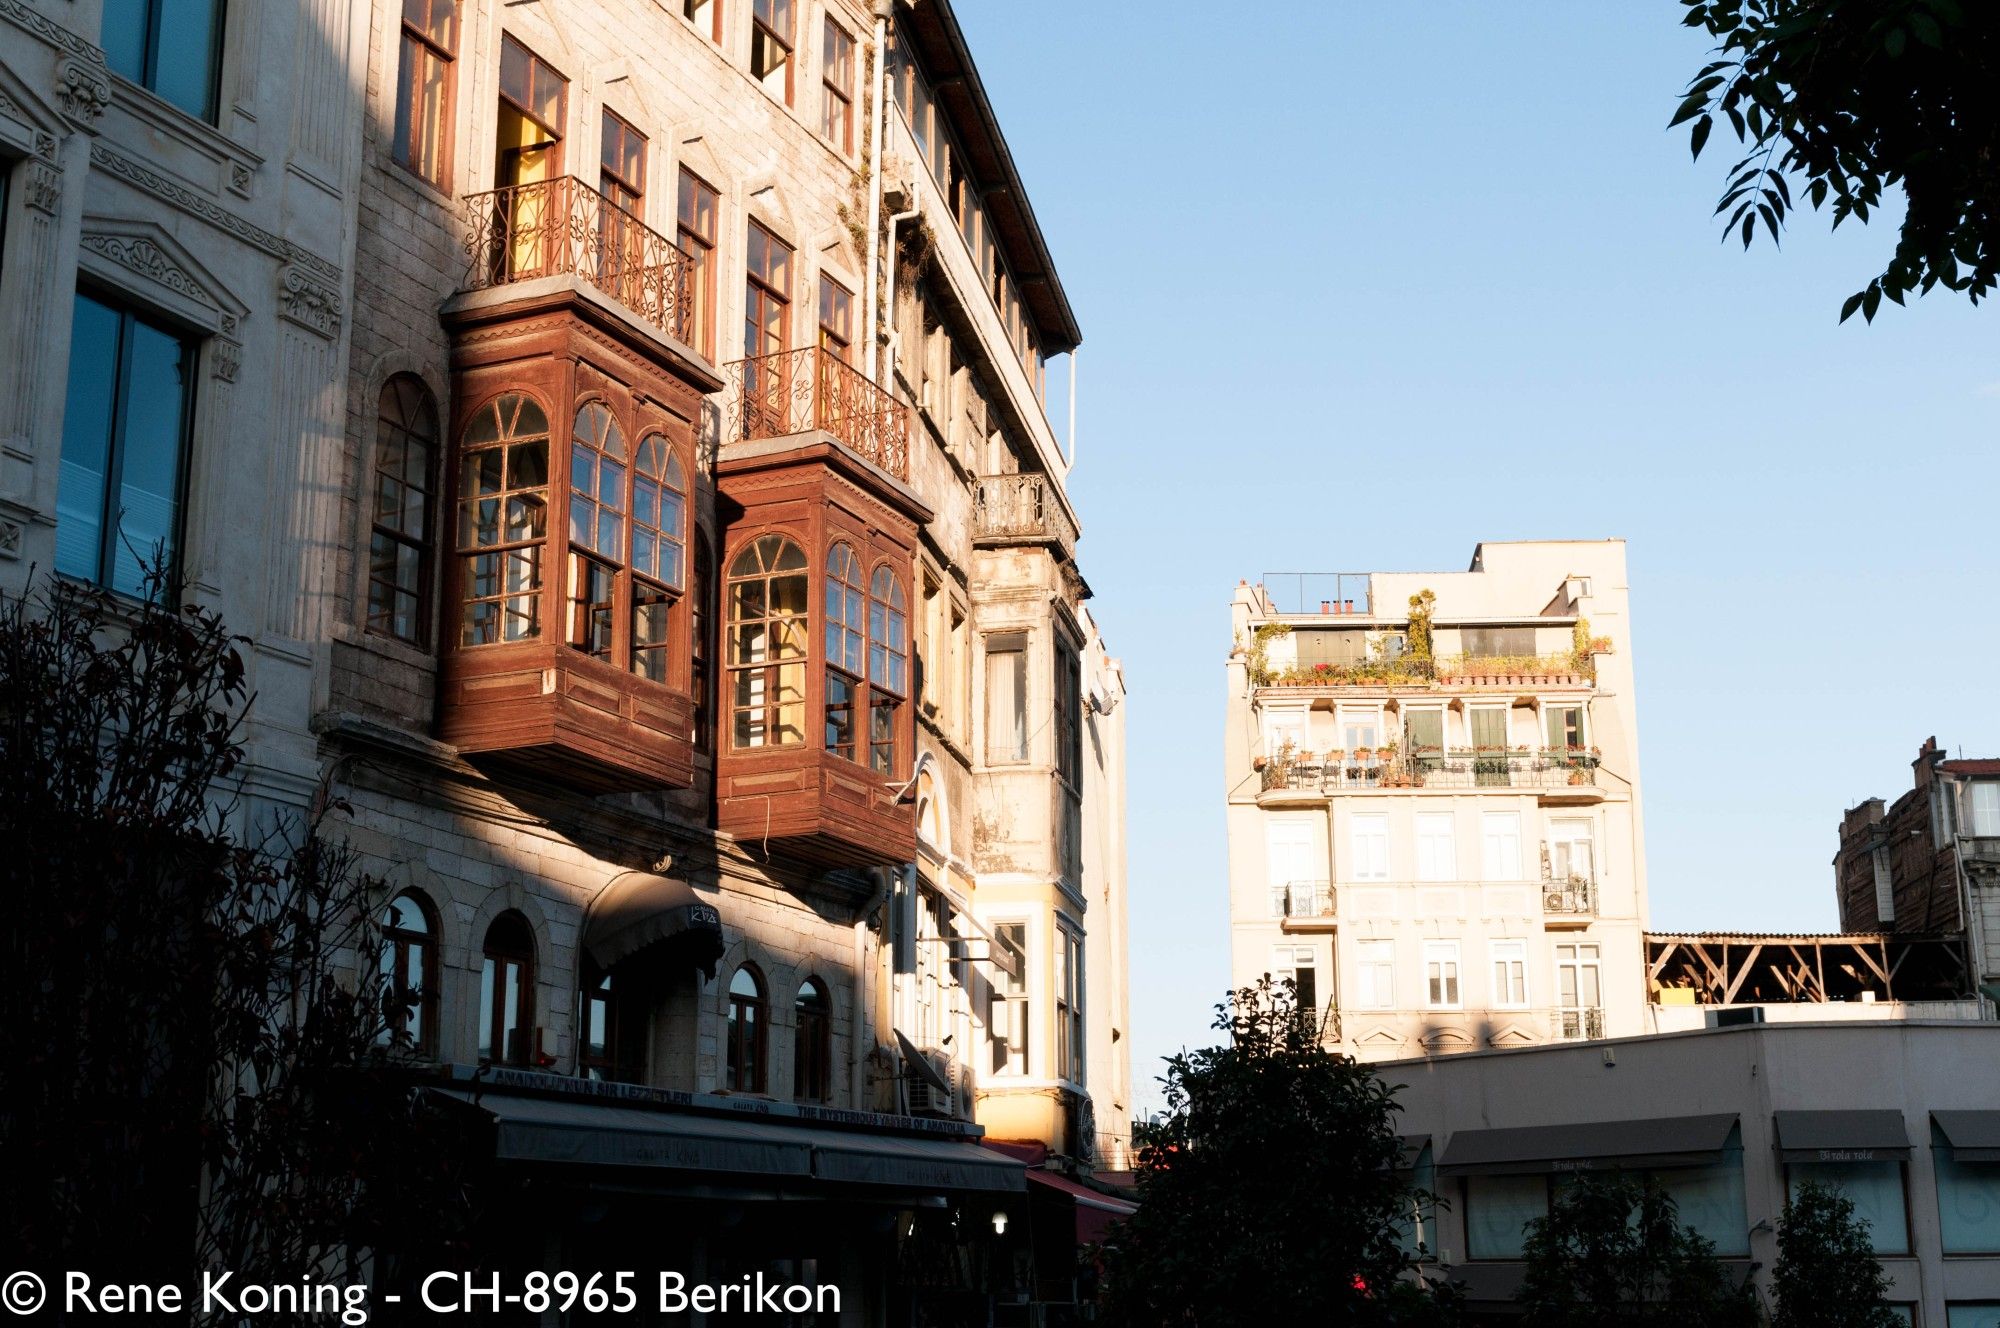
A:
(1363, 285)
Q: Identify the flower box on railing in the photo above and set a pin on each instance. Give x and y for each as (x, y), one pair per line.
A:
(563, 227)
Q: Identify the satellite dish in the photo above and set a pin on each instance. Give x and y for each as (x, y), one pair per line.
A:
(920, 1064)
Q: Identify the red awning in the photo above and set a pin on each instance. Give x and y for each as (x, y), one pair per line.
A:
(1096, 1213)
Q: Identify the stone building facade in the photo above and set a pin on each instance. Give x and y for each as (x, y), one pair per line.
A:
(621, 430)
(1433, 800)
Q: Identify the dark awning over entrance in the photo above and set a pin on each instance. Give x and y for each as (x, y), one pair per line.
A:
(1841, 1136)
(1974, 1136)
(638, 911)
(1669, 1141)
(598, 1134)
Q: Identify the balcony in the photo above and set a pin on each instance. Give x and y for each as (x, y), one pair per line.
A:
(1021, 509)
(798, 391)
(564, 228)
(1304, 906)
(1584, 1024)
(1569, 897)
(1454, 673)
(1544, 770)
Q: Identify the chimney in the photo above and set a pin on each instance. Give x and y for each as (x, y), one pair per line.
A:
(1325, 607)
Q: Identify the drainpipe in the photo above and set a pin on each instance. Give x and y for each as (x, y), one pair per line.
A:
(879, 129)
(861, 1012)
(895, 337)
(1070, 464)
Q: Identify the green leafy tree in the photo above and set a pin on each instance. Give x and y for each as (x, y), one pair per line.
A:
(1612, 1253)
(1850, 99)
(1827, 1274)
(1269, 1193)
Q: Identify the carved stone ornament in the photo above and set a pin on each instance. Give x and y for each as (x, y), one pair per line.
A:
(309, 302)
(227, 358)
(43, 191)
(141, 255)
(84, 92)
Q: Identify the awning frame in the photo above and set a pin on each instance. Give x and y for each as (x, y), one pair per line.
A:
(1661, 1142)
(1841, 1136)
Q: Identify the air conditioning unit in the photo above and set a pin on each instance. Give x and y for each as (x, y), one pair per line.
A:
(926, 1098)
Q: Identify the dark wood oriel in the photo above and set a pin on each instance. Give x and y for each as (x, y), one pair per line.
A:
(571, 491)
(781, 775)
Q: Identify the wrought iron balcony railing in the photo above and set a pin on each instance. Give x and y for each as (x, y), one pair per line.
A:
(563, 227)
(1578, 1024)
(1020, 509)
(1303, 899)
(1570, 895)
(793, 391)
(1458, 768)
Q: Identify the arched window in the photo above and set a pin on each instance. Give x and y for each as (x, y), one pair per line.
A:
(888, 667)
(399, 545)
(409, 975)
(701, 615)
(611, 1029)
(846, 646)
(596, 527)
(812, 1049)
(507, 992)
(503, 478)
(767, 644)
(659, 551)
(747, 1020)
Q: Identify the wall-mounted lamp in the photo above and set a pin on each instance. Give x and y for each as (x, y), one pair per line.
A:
(999, 1223)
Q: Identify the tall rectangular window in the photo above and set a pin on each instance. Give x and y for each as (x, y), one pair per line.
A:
(1876, 1190)
(1985, 808)
(621, 170)
(1968, 1195)
(399, 543)
(170, 47)
(1579, 992)
(695, 233)
(1510, 975)
(1565, 727)
(1296, 964)
(1069, 716)
(1497, 1212)
(528, 132)
(1437, 846)
(767, 296)
(836, 118)
(1369, 836)
(1006, 699)
(771, 43)
(836, 319)
(126, 428)
(1500, 846)
(1069, 1005)
(1292, 864)
(1441, 975)
(706, 15)
(424, 71)
(1007, 1021)
(1570, 851)
(1375, 975)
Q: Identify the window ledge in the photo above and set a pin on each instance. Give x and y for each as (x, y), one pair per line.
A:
(157, 113)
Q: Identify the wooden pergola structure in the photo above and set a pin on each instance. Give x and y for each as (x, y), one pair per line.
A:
(1729, 968)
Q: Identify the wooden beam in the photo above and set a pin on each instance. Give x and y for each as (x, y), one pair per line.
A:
(1730, 997)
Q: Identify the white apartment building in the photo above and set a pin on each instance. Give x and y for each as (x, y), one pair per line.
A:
(1433, 800)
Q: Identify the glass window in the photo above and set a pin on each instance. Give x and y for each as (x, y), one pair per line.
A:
(1487, 642)
(126, 427)
(1500, 846)
(1710, 1200)
(701, 615)
(1437, 846)
(621, 171)
(503, 477)
(1294, 865)
(888, 668)
(409, 975)
(706, 15)
(695, 234)
(767, 643)
(1370, 837)
(1565, 728)
(1069, 715)
(1969, 1314)
(1295, 964)
(845, 647)
(1968, 1200)
(659, 551)
(1441, 975)
(596, 527)
(1416, 1232)
(424, 72)
(767, 296)
(1570, 852)
(399, 546)
(1579, 994)
(1006, 699)
(1985, 808)
(1510, 974)
(836, 319)
(812, 1045)
(1875, 1189)
(1497, 1212)
(528, 133)
(613, 1049)
(1007, 1018)
(1375, 975)
(771, 42)
(172, 47)
(1069, 1005)
(745, 1069)
(507, 993)
(836, 121)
